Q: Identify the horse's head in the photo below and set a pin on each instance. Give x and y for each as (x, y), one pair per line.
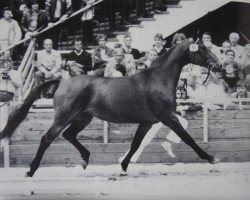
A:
(200, 55)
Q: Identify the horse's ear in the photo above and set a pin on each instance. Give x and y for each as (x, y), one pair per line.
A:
(193, 47)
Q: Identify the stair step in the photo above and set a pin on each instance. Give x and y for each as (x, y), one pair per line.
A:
(43, 103)
(174, 6)
(120, 32)
(134, 25)
(146, 19)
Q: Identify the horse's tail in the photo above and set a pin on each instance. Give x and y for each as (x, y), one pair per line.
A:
(16, 117)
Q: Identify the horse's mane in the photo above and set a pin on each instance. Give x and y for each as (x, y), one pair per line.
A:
(159, 61)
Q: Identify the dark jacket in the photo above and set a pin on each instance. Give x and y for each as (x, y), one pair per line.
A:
(50, 7)
(83, 59)
(42, 20)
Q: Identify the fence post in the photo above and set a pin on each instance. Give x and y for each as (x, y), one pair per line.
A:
(105, 131)
(205, 122)
(5, 142)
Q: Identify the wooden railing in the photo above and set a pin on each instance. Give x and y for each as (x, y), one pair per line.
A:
(26, 69)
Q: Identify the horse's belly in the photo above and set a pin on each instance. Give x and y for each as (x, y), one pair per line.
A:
(122, 116)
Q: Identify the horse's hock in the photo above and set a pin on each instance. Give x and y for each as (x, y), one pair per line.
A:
(228, 139)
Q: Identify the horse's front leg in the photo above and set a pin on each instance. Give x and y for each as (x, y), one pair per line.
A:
(172, 122)
(139, 135)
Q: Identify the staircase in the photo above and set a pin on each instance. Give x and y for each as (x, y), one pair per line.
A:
(178, 15)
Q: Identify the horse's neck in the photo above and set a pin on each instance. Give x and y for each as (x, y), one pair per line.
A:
(172, 71)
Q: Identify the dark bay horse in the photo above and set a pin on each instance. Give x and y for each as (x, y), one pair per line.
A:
(144, 98)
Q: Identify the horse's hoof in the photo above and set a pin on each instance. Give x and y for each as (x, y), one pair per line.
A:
(28, 174)
(123, 173)
(84, 164)
(214, 160)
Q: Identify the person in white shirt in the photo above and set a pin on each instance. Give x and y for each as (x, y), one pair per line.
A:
(116, 66)
(49, 64)
(151, 56)
(207, 41)
(10, 31)
(210, 92)
(238, 49)
(10, 80)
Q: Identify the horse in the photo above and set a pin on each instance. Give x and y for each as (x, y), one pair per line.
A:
(145, 98)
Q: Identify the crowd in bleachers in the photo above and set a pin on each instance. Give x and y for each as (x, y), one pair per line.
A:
(26, 18)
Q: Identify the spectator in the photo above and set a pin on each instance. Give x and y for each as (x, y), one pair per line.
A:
(10, 80)
(230, 75)
(229, 58)
(101, 55)
(178, 38)
(78, 61)
(210, 92)
(245, 66)
(49, 64)
(10, 32)
(116, 66)
(57, 10)
(207, 41)
(226, 45)
(152, 55)
(129, 61)
(159, 44)
(129, 50)
(245, 61)
(17, 7)
(241, 91)
(34, 20)
(238, 49)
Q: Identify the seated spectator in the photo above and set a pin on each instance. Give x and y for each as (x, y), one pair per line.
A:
(102, 53)
(151, 57)
(78, 61)
(116, 66)
(226, 45)
(10, 32)
(129, 50)
(207, 41)
(231, 76)
(10, 80)
(209, 92)
(129, 61)
(34, 19)
(241, 91)
(245, 61)
(159, 44)
(230, 58)
(238, 49)
(178, 38)
(49, 64)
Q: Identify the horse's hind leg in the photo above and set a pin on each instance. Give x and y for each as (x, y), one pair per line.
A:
(172, 122)
(139, 135)
(71, 132)
(46, 140)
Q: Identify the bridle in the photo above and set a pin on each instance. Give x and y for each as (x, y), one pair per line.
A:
(210, 66)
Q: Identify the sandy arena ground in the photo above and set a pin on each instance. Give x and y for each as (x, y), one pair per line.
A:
(144, 181)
